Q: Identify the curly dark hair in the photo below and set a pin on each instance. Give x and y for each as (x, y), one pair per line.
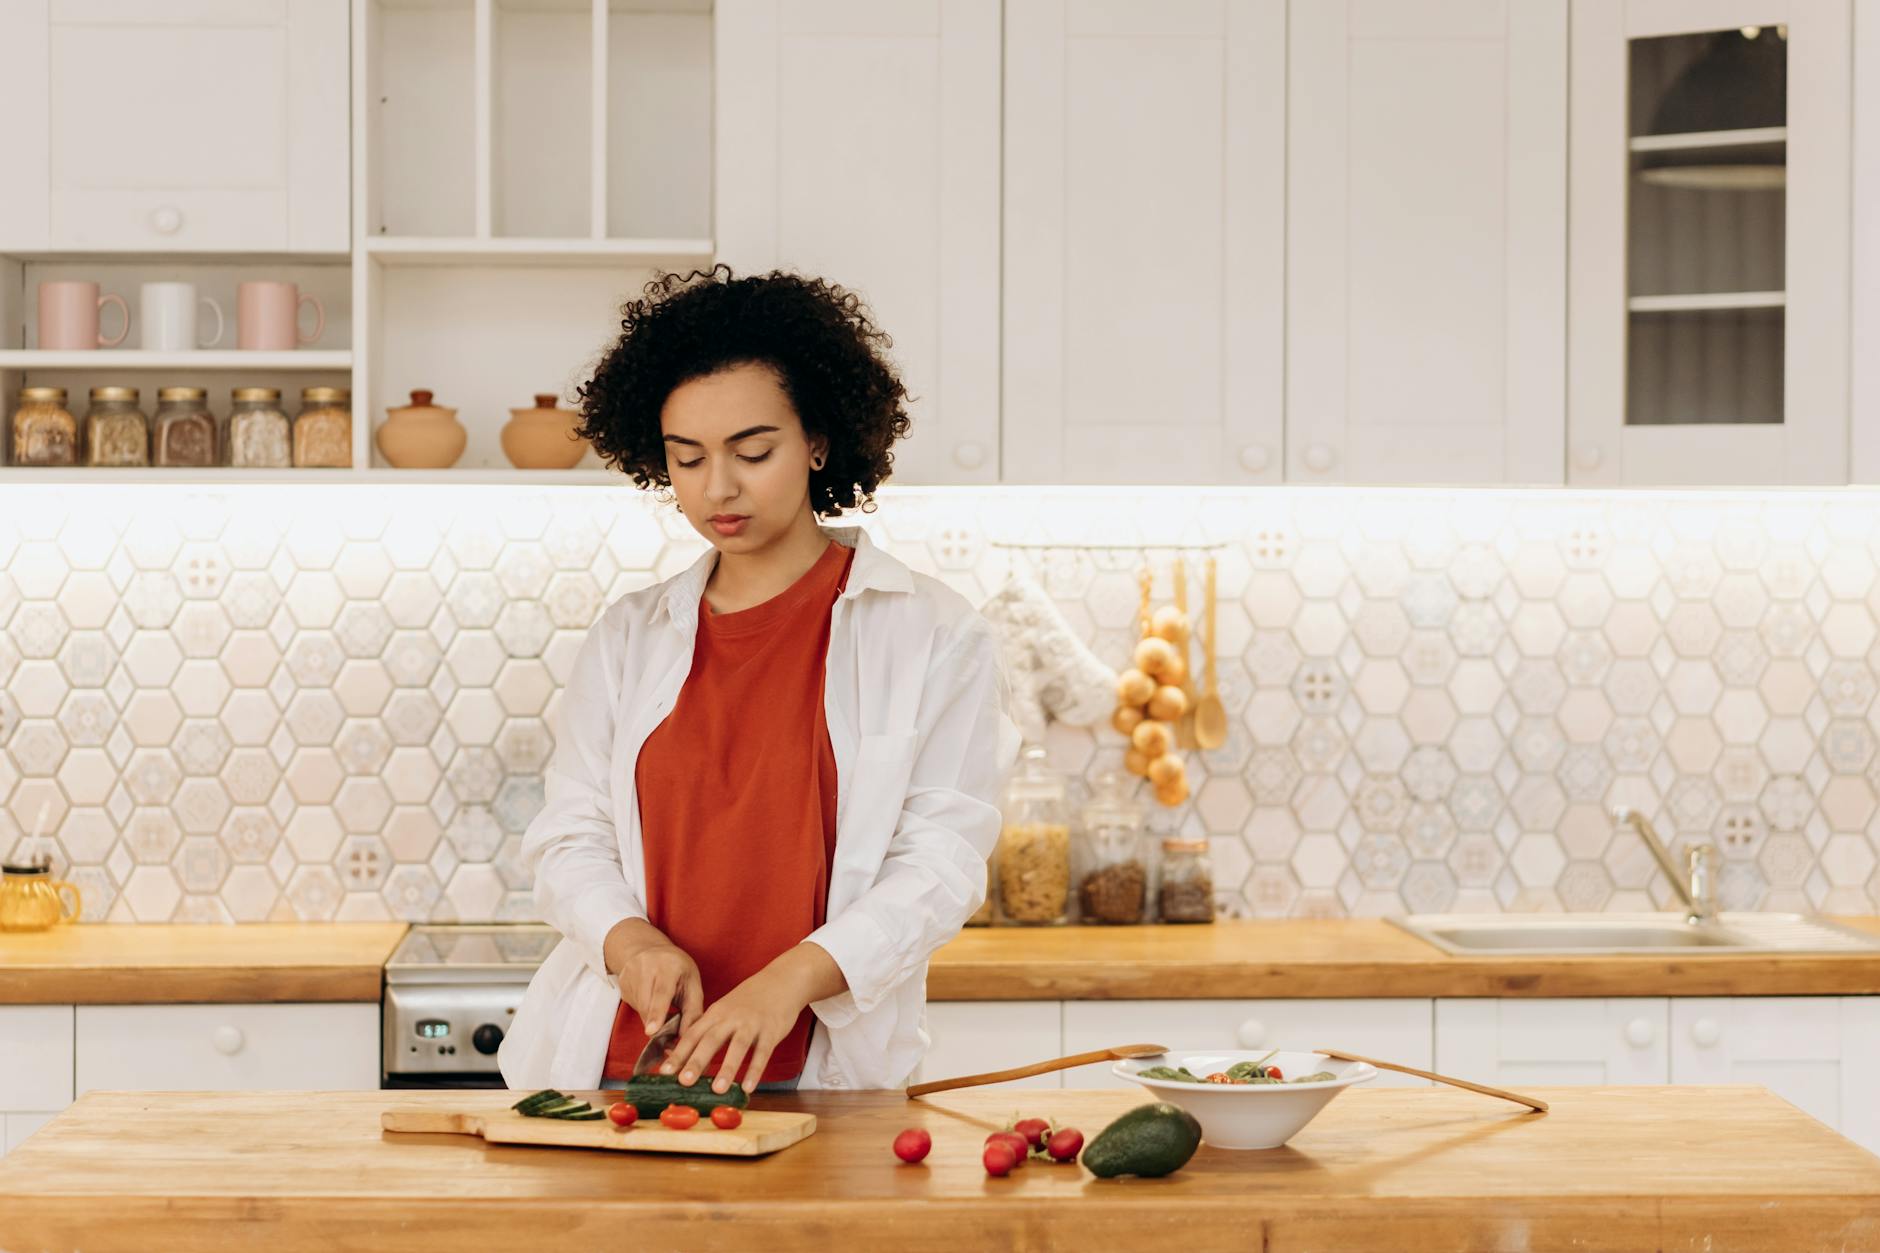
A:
(818, 337)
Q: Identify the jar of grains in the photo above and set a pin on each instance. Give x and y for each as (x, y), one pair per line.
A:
(1187, 893)
(1114, 880)
(258, 429)
(1034, 851)
(323, 428)
(184, 432)
(116, 431)
(44, 432)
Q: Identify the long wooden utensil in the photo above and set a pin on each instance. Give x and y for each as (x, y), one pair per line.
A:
(1120, 1053)
(1534, 1103)
(1210, 714)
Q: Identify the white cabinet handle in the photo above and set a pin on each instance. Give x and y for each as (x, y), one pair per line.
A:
(1251, 1034)
(1588, 456)
(228, 1040)
(166, 219)
(969, 456)
(1319, 458)
(1640, 1033)
(1254, 458)
(1706, 1032)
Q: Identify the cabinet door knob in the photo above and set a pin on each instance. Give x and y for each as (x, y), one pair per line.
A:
(1640, 1033)
(1588, 456)
(228, 1040)
(1320, 457)
(166, 219)
(969, 456)
(1254, 458)
(1251, 1034)
(1706, 1032)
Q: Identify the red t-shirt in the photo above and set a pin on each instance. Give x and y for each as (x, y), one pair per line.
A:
(737, 796)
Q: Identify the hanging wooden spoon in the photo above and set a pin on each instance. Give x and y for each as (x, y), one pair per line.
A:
(1120, 1053)
(1184, 725)
(1210, 714)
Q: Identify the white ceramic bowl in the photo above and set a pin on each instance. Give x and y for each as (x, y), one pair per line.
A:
(1248, 1115)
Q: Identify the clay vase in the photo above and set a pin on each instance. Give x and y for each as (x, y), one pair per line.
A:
(543, 438)
(421, 435)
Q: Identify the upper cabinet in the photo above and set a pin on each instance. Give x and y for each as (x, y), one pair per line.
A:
(859, 141)
(175, 125)
(1426, 241)
(1710, 180)
(1144, 238)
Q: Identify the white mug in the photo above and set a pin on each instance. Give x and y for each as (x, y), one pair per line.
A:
(169, 317)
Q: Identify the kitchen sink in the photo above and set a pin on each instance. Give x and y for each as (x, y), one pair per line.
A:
(1539, 935)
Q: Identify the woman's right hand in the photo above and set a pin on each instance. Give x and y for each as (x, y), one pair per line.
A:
(653, 973)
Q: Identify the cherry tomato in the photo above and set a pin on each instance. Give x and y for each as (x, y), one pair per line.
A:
(1020, 1146)
(1272, 1072)
(678, 1117)
(1065, 1145)
(913, 1144)
(999, 1158)
(622, 1114)
(1034, 1130)
(727, 1116)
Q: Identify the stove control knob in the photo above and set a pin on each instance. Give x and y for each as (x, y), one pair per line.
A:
(487, 1037)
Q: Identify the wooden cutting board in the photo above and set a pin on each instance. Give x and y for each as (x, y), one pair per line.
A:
(762, 1131)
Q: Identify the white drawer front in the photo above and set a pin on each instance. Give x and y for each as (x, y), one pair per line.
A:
(972, 1037)
(1396, 1030)
(227, 1047)
(1549, 1041)
(36, 1043)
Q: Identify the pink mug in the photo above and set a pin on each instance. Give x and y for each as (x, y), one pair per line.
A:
(267, 316)
(69, 312)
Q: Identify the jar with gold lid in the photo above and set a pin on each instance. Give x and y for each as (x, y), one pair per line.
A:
(259, 433)
(184, 433)
(116, 432)
(44, 431)
(323, 428)
(1187, 892)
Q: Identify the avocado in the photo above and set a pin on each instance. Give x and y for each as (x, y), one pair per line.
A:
(1149, 1140)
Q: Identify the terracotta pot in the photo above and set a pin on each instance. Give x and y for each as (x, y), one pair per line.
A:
(543, 438)
(421, 435)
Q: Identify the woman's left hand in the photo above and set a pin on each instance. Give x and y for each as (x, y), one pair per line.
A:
(748, 1023)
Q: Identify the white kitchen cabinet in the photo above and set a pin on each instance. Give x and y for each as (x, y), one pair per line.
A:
(972, 1037)
(36, 1043)
(175, 125)
(1391, 1030)
(860, 142)
(227, 1048)
(1144, 241)
(1816, 1052)
(1426, 241)
(1565, 1041)
(1708, 338)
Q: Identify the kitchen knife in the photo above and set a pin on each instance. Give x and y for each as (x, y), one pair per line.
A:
(659, 1045)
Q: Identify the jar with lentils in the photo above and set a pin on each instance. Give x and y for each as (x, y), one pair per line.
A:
(116, 432)
(184, 433)
(1187, 892)
(1113, 878)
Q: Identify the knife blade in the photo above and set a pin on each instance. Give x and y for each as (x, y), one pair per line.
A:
(659, 1045)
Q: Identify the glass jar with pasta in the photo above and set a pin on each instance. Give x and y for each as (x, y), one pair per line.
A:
(1033, 858)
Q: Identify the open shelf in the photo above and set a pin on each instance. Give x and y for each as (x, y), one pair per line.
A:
(1688, 302)
(666, 253)
(202, 359)
(1694, 141)
(210, 477)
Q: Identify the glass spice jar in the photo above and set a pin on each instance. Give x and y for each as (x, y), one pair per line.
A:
(1187, 892)
(1034, 849)
(1114, 881)
(323, 428)
(44, 432)
(259, 432)
(116, 432)
(184, 432)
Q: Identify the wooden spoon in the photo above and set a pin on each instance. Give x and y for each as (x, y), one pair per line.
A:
(1532, 1102)
(1122, 1052)
(1210, 714)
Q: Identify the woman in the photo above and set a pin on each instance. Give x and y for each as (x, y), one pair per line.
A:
(771, 797)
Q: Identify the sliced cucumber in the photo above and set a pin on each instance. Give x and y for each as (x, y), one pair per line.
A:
(562, 1109)
(586, 1115)
(539, 1100)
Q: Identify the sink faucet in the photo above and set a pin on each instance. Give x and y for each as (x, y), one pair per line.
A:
(1698, 887)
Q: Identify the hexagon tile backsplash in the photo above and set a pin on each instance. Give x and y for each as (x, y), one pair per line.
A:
(335, 702)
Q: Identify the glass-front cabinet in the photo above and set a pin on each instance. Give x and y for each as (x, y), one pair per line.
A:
(1708, 253)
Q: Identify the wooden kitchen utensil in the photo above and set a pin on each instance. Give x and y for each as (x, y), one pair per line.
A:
(1120, 1053)
(1534, 1103)
(1210, 714)
(762, 1131)
(1185, 725)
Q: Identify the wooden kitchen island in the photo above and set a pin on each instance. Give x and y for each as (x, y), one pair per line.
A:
(1610, 1168)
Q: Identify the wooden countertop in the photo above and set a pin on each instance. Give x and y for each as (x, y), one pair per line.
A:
(1357, 957)
(1609, 1168)
(137, 963)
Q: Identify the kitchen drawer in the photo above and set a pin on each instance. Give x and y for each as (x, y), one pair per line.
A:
(971, 1037)
(14, 1128)
(36, 1041)
(1396, 1030)
(1554, 1041)
(227, 1047)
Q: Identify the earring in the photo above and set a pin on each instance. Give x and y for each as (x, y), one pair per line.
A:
(816, 463)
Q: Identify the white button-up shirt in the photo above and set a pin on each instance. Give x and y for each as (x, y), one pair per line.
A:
(918, 713)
